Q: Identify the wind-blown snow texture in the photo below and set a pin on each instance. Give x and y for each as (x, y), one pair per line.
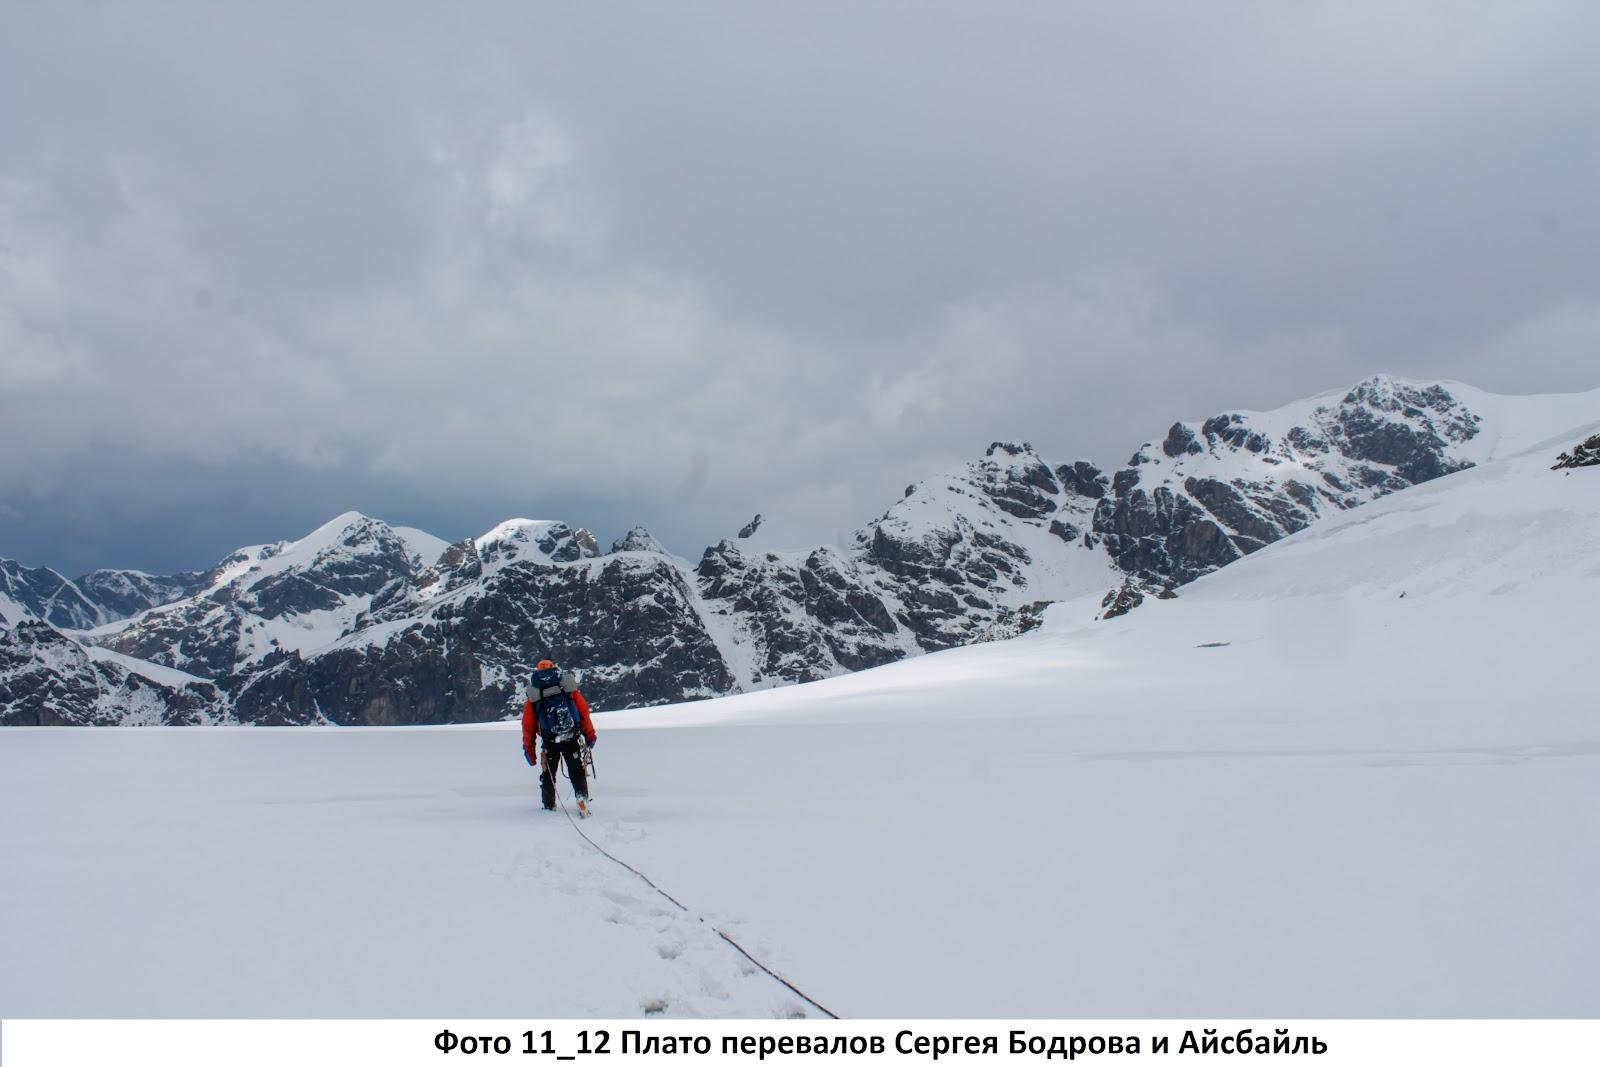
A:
(1352, 775)
(361, 623)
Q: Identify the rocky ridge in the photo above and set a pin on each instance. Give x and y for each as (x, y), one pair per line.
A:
(361, 622)
(1211, 492)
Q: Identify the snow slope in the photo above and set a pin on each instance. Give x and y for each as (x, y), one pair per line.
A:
(1356, 802)
(1354, 774)
(12, 612)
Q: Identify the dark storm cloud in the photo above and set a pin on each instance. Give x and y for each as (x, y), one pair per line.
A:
(675, 264)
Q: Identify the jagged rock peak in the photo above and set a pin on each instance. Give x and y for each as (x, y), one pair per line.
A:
(1216, 489)
(1084, 479)
(1388, 392)
(456, 564)
(749, 529)
(349, 534)
(463, 551)
(1017, 480)
(1010, 448)
(519, 539)
(348, 528)
(637, 539)
(1180, 440)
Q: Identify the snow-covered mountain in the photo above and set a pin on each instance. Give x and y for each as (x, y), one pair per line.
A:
(93, 599)
(41, 593)
(360, 622)
(1353, 774)
(1213, 491)
(453, 641)
(49, 679)
(268, 600)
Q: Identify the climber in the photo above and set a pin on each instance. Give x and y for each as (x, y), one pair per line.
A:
(556, 711)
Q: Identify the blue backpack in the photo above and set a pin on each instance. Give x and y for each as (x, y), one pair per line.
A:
(551, 692)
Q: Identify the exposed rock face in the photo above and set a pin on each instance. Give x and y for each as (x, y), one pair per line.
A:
(637, 539)
(1586, 454)
(1221, 489)
(994, 534)
(48, 679)
(796, 617)
(363, 623)
(464, 653)
(1121, 601)
(520, 538)
(1015, 623)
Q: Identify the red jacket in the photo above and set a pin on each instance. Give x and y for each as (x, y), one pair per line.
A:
(530, 724)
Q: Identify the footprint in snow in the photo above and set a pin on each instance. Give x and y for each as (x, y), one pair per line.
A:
(626, 901)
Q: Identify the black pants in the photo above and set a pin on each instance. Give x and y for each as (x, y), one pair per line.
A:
(555, 751)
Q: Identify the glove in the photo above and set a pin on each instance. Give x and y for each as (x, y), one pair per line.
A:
(592, 741)
(527, 754)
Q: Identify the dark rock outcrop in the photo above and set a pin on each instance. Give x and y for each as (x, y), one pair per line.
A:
(1214, 492)
(47, 679)
(637, 539)
(1121, 600)
(1586, 454)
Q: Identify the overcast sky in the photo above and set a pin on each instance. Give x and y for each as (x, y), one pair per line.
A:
(673, 264)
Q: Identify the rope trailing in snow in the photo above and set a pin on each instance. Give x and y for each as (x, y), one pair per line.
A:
(740, 949)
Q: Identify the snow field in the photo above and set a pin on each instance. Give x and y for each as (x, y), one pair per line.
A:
(1291, 792)
(318, 873)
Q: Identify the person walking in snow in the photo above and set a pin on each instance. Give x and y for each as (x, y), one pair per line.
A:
(556, 712)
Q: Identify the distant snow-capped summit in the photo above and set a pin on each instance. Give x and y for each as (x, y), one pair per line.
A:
(93, 599)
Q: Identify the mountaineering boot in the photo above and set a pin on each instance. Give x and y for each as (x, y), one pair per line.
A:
(583, 806)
